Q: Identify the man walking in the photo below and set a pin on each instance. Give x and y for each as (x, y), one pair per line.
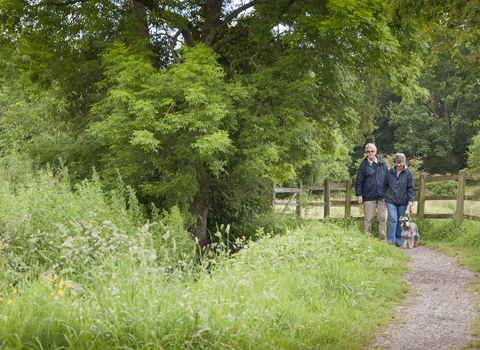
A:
(368, 189)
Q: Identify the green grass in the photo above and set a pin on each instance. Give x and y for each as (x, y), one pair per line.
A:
(80, 268)
(317, 287)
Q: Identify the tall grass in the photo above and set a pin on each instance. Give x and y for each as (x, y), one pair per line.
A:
(314, 287)
(84, 269)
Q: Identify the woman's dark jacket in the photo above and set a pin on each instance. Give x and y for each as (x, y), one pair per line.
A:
(399, 190)
(369, 181)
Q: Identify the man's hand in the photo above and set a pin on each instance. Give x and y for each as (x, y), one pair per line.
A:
(359, 199)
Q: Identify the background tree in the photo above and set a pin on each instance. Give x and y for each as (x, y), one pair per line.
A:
(175, 94)
(474, 156)
(440, 128)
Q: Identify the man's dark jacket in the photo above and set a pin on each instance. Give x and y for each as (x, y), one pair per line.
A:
(399, 190)
(369, 181)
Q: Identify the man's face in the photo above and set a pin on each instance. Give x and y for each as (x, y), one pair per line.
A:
(371, 153)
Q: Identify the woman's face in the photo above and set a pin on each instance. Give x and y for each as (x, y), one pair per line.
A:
(399, 165)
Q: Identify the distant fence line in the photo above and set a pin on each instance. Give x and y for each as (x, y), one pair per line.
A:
(299, 202)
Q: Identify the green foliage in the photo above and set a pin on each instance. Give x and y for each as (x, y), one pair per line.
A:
(473, 154)
(444, 188)
(272, 294)
(173, 244)
(240, 95)
(176, 122)
(463, 233)
(438, 129)
(49, 224)
(238, 201)
(476, 192)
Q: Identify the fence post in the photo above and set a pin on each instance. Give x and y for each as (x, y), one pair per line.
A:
(299, 200)
(462, 177)
(421, 195)
(348, 198)
(326, 196)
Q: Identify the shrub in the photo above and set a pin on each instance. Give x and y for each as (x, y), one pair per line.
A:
(238, 201)
(48, 224)
(476, 192)
(444, 188)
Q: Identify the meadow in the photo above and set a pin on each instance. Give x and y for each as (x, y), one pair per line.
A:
(86, 268)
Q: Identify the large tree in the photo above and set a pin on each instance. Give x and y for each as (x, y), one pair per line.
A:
(439, 128)
(175, 93)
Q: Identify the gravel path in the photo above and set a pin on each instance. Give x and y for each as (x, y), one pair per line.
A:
(441, 309)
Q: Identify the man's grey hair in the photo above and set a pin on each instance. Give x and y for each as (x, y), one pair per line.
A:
(399, 157)
(370, 145)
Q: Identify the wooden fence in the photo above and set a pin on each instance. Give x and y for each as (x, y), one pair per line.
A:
(297, 201)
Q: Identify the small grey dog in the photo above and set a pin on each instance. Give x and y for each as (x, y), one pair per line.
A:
(409, 232)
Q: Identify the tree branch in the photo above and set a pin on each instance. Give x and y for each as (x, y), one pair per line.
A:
(64, 3)
(230, 38)
(229, 18)
(152, 5)
(172, 46)
(252, 57)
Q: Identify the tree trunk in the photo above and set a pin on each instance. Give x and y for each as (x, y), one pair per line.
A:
(140, 12)
(213, 9)
(199, 210)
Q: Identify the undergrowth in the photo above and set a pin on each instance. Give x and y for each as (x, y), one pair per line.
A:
(85, 269)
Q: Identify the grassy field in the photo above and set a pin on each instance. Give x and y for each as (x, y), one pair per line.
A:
(83, 268)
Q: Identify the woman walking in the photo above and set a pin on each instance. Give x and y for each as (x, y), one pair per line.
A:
(398, 194)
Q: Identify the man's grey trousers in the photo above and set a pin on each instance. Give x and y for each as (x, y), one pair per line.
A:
(382, 214)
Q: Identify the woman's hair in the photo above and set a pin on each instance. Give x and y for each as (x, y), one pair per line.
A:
(370, 145)
(399, 157)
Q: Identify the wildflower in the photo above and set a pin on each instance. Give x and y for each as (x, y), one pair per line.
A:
(74, 293)
(60, 292)
(1, 299)
(69, 285)
(9, 302)
(61, 283)
(15, 290)
(56, 297)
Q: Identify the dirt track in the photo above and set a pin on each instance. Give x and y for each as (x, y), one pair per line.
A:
(441, 309)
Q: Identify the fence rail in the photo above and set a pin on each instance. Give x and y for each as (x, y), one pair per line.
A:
(298, 202)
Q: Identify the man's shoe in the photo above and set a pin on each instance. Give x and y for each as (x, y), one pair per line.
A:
(398, 245)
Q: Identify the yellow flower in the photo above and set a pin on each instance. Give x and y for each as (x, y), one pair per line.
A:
(61, 283)
(1, 299)
(60, 292)
(74, 293)
(9, 302)
(69, 285)
(56, 297)
(15, 290)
